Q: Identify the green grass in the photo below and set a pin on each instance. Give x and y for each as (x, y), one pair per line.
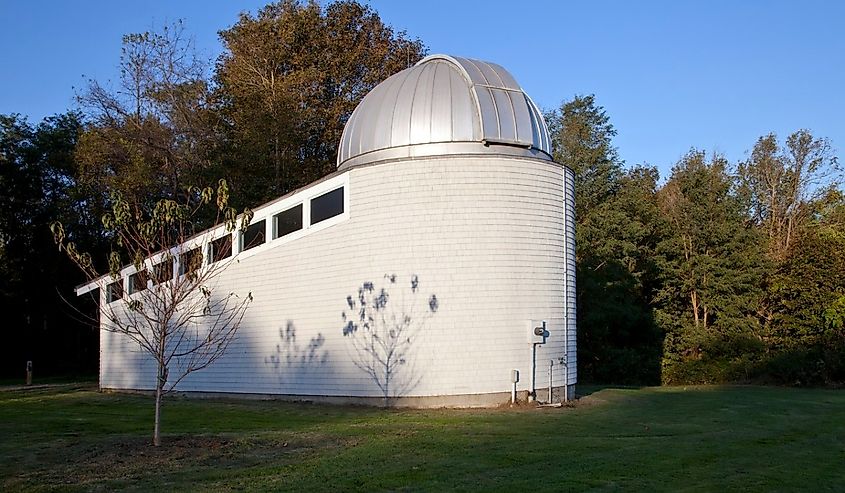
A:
(69, 437)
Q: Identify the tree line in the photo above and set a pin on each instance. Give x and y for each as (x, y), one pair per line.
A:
(721, 272)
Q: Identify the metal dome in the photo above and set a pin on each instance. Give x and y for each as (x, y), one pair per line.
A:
(444, 105)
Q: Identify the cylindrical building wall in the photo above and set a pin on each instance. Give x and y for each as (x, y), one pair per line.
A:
(490, 237)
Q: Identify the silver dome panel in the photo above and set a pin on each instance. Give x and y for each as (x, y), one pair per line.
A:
(443, 100)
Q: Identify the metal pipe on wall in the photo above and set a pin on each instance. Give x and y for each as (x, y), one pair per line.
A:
(565, 359)
(532, 395)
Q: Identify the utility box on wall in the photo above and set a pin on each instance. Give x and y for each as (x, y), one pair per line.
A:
(537, 332)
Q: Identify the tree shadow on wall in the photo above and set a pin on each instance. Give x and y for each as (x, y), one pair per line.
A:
(381, 325)
(293, 361)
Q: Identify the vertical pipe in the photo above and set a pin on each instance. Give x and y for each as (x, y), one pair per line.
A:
(551, 364)
(532, 394)
(100, 318)
(566, 391)
(565, 360)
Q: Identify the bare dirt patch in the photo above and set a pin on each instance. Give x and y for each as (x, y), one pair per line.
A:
(123, 461)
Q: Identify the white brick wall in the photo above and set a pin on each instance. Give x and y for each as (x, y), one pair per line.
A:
(486, 235)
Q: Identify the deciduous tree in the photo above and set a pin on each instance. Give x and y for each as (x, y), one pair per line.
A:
(710, 260)
(289, 79)
(781, 182)
(175, 310)
(153, 132)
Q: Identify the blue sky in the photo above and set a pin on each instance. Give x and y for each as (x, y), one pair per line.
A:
(671, 74)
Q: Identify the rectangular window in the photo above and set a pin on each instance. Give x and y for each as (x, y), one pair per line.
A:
(328, 205)
(114, 291)
(138, 282)
(220, 248)
(190, 261)
(163, 271)
(288, 221)
(253, 236)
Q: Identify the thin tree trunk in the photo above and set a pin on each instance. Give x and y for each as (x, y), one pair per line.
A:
(161, 379)
(703, 304)
(387, 383)
(278, 166)
(694, 300)
(157, 429)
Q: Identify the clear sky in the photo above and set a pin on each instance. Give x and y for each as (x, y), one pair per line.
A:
(671, 74)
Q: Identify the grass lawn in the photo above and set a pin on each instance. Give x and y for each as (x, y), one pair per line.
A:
(70, 437)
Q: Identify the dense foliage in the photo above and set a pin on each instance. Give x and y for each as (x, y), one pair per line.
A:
(721, 271)
(288, 80)
(615, 241)
(37, 171)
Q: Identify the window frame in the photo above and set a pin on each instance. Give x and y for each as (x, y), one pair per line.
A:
(205, 240)
(304, 198)
(323, 195)
(110, 291)
(275, 217)
(138, 281)
(212, 259)
(185, 260)
(260, 233)
(158, 270)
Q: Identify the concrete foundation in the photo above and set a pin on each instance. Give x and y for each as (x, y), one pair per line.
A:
(422, 402)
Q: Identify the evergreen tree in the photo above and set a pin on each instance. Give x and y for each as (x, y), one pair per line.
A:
(582, 140)
(615, 235)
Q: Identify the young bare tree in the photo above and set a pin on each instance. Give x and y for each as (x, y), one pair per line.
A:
(175, 310)
(381, 329)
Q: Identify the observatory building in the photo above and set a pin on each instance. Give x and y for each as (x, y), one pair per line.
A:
(447, 202)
